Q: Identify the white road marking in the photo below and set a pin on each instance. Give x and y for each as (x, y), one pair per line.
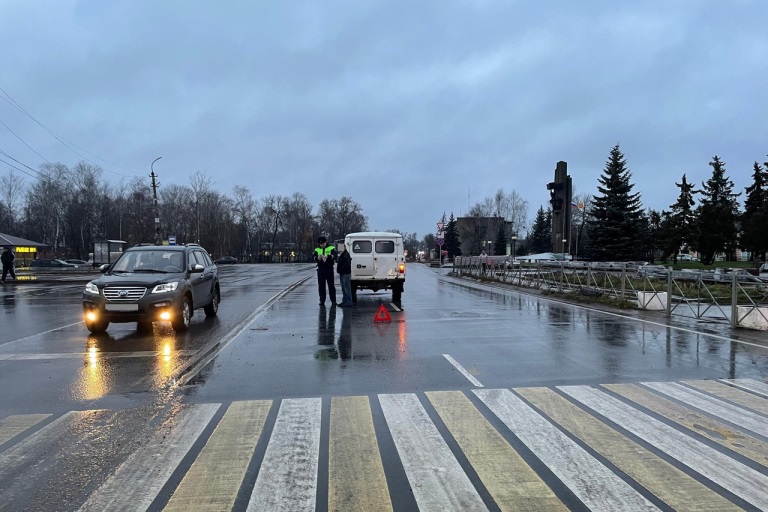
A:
(39, 334)
(136, 482)
(84, 355)
(436, 477)
(288, 475)
(208, 353)
(593, 483)
(741, 480)
(729, 412)
(754, 386)
(463, 371)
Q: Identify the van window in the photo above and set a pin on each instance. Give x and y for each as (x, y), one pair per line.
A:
(362, 246)
(385, 246)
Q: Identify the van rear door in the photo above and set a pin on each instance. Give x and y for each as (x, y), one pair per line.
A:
(361, 250)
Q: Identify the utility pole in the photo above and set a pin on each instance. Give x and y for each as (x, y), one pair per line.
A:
(158, 236)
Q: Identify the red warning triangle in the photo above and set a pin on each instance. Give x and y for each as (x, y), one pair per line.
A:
(382, 315)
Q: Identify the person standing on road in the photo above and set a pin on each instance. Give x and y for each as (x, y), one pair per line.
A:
(344, 269)
(324, 256)
(7, 259)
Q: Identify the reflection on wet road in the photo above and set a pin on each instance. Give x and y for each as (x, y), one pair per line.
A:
(472, 397)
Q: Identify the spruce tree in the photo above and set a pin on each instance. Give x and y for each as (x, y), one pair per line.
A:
(717, 214)
(754, 221)
(617, 224)
(655, 234)
(540, 239)
(682, 225)
(452, 241)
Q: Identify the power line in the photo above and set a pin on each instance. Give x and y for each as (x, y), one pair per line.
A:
(38, 175)
(64, 141)
(22, 140)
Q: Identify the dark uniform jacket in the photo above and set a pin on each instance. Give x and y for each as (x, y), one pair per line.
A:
(344, 263)
(329, 252)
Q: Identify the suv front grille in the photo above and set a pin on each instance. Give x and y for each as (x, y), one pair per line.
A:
(124, 294)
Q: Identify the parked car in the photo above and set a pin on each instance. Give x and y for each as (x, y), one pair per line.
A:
(723, 274)
(152, 283)
(226, 260)
(51, 264)
(686, 257)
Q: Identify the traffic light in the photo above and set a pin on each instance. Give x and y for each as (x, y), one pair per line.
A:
(556, 198)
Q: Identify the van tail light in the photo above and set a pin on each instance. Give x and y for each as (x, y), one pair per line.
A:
(401, 268)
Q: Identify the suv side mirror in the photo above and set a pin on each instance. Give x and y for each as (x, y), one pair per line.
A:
(103, 268)
(196, 268)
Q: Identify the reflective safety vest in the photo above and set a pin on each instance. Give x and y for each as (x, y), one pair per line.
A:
(319, 251)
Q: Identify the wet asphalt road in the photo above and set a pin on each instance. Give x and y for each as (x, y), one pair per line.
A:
(271, 341)
(291, 347)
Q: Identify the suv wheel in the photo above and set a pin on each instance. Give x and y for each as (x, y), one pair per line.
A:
(182, 319)
(213, 308)
(96, 326)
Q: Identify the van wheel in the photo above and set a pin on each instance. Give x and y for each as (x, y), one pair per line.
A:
(397, 292)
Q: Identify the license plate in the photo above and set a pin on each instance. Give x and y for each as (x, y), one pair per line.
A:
(121, 307)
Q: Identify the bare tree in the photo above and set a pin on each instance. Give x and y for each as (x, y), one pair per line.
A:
(201, 184)
(11, 189)
(244, 209)
(299, 223)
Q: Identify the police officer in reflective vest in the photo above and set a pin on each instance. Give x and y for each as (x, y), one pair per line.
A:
(324, 256)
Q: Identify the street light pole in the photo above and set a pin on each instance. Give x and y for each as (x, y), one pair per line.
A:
(514, 245)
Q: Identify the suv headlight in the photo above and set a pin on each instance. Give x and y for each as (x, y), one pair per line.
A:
(91, 288)
(165, 287)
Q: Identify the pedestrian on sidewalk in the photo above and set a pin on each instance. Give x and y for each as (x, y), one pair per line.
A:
(7, 259)
(344, 269)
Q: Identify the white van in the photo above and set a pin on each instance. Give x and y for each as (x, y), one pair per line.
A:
(378, 262)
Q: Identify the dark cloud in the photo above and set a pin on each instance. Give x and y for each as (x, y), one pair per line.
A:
(410, 108)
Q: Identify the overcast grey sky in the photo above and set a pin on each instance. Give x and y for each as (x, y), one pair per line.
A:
(411, 108)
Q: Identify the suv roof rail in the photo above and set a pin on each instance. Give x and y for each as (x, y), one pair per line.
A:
(143, 244)
(192, 245)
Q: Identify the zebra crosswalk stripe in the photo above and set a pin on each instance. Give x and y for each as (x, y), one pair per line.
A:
(599, 449)
(356, 479)
(212, 483)
(717, 432)
(732, 413)
(743, 398)
(508, 478)
(12, 426)
(136, 482)
(576, 468)
(739, 479)
(669, 484)
(437, 480)
(288, 475)
(749, 384)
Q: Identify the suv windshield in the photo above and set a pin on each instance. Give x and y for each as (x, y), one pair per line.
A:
(150, 261)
